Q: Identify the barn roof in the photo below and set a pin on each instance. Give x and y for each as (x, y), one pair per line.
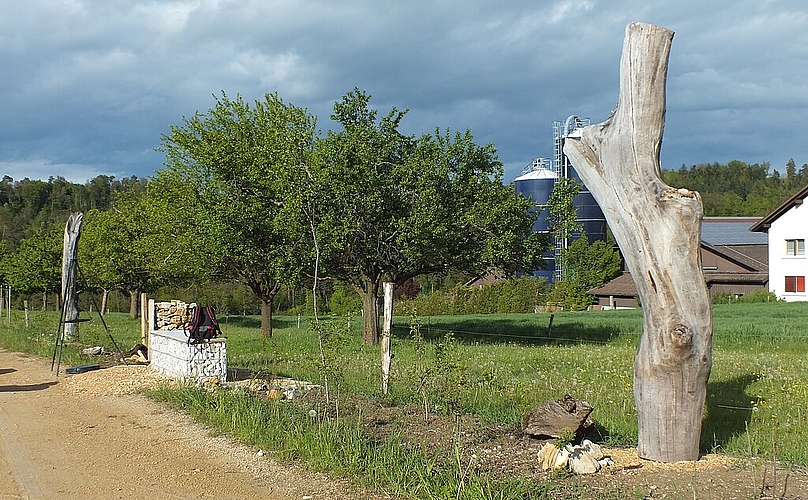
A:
(731, 231)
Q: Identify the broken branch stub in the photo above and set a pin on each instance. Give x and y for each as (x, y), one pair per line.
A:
(658, 229)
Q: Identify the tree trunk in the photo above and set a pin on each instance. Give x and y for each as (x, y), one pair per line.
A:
(69, 275)
(658, 229)
(133, 301)
(266, 317)
(104, 302)
(370, 313)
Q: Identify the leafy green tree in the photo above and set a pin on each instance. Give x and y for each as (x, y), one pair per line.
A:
(100, 253)
(791, 173)
(36, 266)
(562, 217)
(242, 161)
(117, 251)
(392, 207)
(587, 266)
(562, 213)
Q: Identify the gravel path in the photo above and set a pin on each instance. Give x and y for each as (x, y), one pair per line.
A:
(90, 436)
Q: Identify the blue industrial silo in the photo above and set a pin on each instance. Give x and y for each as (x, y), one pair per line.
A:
(590, 217)
(536, 183)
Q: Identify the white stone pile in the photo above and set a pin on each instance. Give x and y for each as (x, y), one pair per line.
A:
(285, 389)
(585, 458)
(172, 315)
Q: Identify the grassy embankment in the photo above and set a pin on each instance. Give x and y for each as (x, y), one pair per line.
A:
(497, 367)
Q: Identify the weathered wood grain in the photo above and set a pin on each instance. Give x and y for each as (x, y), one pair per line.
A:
(658, 229)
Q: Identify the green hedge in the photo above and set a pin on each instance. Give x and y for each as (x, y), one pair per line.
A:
(518, 295)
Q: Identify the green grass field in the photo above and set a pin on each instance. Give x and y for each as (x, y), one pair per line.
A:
(497, 367)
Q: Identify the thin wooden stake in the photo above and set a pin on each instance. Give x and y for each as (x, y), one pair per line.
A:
(386, 328)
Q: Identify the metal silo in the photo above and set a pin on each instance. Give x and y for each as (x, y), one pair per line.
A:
(590, 216)
(536, 183)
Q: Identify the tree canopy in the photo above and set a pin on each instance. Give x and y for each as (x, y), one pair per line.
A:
(392, 207)
(242, 164)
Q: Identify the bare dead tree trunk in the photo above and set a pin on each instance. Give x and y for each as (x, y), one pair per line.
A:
(658, 229)
(69, 274)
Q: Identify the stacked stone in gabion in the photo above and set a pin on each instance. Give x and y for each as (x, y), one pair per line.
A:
(172, 315)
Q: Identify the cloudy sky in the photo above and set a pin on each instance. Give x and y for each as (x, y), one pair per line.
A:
(88, 87)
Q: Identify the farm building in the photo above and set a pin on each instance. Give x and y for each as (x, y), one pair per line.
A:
(787, 229)
(734, 261)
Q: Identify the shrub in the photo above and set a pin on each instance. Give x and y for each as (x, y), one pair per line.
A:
(516, 295)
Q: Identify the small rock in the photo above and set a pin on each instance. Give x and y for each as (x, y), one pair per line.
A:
(260, 453)
(581, 462)
(562, 459)
(594, 450)
(93, 351)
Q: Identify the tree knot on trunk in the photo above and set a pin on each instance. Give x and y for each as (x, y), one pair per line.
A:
(682, 336)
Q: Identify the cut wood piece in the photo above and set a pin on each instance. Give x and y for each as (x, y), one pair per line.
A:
(658, 229)
(553, 419)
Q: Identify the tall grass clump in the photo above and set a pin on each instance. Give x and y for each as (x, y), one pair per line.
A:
(340, 447)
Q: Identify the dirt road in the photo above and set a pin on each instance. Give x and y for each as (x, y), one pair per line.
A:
(63, 438)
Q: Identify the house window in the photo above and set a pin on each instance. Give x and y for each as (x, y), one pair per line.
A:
(795, 284)
(795, 247)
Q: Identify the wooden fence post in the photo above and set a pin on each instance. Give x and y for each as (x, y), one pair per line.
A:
(658, 229)
(144, 318)
(386, 329)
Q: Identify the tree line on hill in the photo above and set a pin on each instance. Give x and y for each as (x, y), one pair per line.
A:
(254, 205)
(737, 188)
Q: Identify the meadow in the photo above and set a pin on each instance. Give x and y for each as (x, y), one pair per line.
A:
(493, 368)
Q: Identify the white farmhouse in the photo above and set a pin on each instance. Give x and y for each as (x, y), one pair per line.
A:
(787, 227)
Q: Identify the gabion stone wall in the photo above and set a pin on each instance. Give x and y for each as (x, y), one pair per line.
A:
(170, 352)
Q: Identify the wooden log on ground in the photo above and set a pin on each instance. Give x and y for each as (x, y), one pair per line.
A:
(658, 229)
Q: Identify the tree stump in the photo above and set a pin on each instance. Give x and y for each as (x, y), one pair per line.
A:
(658, 229)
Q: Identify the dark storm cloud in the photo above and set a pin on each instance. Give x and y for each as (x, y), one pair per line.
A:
(88, 87)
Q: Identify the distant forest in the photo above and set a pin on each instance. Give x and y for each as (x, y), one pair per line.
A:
(738, 189)
(31, 206)
(733, 189)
